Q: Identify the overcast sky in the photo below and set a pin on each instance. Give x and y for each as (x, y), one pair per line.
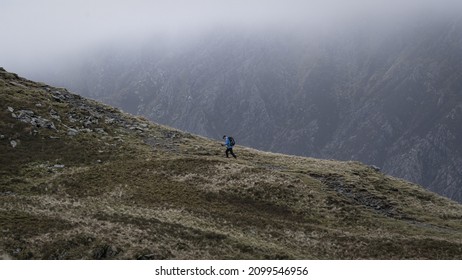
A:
(38, 30)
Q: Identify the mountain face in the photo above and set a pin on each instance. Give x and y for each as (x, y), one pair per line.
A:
(82, 180)
(390, 97)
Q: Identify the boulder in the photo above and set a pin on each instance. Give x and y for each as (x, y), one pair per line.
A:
(72, 132)
(13, 143)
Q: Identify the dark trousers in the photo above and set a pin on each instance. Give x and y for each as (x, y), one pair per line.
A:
(230, 150)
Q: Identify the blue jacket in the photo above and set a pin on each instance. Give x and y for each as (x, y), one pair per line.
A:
(228, 143)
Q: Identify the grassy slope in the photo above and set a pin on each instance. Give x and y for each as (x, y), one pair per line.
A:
(143, 191)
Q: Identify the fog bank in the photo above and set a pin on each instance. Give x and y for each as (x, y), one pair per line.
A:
(42, 33)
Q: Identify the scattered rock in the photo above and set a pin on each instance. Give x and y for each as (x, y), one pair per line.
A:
(72, 132)
(7, 193)
(17, 84)
(38, 105)
(13, 143)
(58, 96)
(28, 116)
(375, 168)
(58, 166)
(2, 136)
(55, 115)
(362, 197)
(109, 120)
(100, 130)
(41, 122)
(99, 161)
(10, 109)
(72, 118)
(23, 115)
(170, 135)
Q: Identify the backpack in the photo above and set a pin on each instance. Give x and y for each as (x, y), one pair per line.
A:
(231, 141)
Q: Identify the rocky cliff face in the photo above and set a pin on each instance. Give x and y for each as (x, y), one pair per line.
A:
(388, 97)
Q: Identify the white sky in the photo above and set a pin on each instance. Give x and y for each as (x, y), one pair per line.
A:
(37, 30)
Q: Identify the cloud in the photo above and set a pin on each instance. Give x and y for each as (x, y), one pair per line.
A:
(43, 30)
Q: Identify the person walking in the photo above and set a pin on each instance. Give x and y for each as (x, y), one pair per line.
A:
(229, 143)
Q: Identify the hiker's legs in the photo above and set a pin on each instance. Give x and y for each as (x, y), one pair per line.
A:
(231, 150)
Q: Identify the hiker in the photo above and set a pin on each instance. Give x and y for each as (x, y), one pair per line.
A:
(229, 143)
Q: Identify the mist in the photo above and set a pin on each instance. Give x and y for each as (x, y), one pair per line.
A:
(42, 34)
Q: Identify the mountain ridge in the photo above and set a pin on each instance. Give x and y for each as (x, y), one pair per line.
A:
(83, 180)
